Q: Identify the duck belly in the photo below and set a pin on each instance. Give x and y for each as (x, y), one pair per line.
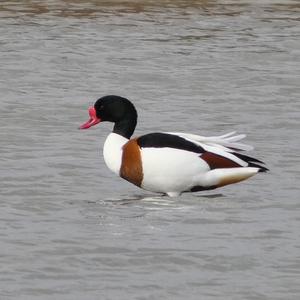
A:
(169, 170)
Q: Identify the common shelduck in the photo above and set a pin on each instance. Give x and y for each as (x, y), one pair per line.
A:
(169, 162)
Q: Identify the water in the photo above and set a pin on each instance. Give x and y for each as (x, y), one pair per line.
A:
(69, 228)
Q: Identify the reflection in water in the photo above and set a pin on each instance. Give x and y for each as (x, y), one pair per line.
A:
(90, 8)
(94, 8)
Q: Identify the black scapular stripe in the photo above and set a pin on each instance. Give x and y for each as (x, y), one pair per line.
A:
(247, 158)
(163, 140)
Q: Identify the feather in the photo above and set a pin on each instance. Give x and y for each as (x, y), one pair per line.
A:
(226, 142)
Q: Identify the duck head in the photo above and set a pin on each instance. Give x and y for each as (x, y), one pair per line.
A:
(115, 109)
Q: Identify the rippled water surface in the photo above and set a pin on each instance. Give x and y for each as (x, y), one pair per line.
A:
(70, 229)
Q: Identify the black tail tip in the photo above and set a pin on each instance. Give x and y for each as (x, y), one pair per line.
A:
(263, 170)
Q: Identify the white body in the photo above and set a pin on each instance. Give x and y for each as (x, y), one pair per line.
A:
(173, 171)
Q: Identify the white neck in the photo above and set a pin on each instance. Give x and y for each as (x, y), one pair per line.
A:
(112, 151)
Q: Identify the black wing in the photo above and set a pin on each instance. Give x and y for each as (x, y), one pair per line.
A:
(163, 140)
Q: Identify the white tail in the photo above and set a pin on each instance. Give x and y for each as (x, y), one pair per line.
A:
(221, 177)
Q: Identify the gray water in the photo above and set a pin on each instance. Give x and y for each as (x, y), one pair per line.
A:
(70, 229)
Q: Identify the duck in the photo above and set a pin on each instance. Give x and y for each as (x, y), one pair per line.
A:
(170, 163)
